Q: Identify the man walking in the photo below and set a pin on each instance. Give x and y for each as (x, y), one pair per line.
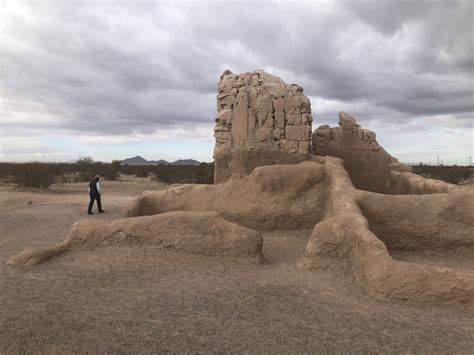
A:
(94, 194)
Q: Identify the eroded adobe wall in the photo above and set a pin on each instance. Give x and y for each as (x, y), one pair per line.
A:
(344, 240)
(271, 197)
(260, 121)
(197, 232)
(407, 183)
(421, 222)
(368, 164)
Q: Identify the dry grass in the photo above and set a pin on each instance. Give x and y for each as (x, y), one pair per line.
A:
(143, 300)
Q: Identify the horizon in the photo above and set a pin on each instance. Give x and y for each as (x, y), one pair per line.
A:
(468, 162)
(108, 80)
(72, 161)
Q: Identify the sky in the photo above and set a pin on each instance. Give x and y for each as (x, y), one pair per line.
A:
(115, 79)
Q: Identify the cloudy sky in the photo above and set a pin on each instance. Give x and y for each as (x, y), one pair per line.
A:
(114, 79)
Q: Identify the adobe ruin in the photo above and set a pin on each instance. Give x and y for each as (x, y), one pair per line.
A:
(365, 208)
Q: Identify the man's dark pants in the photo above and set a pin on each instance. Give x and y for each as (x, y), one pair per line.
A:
(91, 203)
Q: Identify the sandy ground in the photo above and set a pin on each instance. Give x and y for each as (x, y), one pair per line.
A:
(143, 300)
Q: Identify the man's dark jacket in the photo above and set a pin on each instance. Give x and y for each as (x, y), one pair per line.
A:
(93, 188)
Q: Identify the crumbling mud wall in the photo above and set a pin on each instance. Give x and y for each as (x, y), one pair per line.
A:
(343, 240)
(260, 121)
(271, 197)
(421, 222)
(407, 183)
(203, 233)
(368, 164)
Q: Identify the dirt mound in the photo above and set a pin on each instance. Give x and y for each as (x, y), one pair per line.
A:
(204, 233)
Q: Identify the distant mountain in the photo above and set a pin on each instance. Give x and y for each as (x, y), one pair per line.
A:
(185, 162)
(139, 160)
(135, 160)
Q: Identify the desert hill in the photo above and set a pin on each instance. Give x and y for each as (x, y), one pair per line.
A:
(140, 160)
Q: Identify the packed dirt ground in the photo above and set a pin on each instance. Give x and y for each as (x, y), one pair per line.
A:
(129, 300)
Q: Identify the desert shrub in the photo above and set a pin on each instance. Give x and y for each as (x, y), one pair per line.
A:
(142, 174)
(85, 160)
(451, 174)
(110, 171)
(127, 169)
(36, 175)
(80, 176)
(44, 174)
(141, 170)
(60, 178)
(86, 165)
(185, 174)
(6, 170)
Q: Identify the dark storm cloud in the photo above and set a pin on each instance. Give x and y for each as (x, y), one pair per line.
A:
(119, 67)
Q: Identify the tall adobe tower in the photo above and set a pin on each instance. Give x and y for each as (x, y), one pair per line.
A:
(260, 121)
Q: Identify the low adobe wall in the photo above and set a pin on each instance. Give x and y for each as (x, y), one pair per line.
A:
(203, 233)
(421, 222)
(407, 183)
(343, 239)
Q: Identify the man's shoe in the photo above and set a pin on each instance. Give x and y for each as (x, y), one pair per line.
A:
(101, 211)
(89, 213)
